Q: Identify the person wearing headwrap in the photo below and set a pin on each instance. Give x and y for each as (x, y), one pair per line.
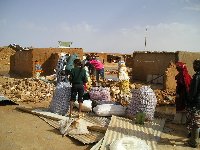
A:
(183, 80)
(194, 106)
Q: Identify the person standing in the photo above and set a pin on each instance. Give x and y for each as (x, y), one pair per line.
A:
(91, 68)
(183, 80)
(194, 106)
(61, 68)
(120, 62)
(38, 69)
(77, 79)
(99, 67)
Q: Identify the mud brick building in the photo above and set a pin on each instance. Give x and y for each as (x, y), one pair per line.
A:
(23, 62)
(147, 65)
(109, 57)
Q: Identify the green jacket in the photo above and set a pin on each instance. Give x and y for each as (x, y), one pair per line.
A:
(78, 76)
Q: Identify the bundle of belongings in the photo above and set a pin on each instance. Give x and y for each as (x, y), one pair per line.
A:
(129, 143)
(61, 98)
(104, 106)
(100, 93)
(72, 126)
(124, 84)
(86, 106)
(143, 103)
(109, 110)
(64, 66)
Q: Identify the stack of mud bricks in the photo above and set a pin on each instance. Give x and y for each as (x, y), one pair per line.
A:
(28, 90)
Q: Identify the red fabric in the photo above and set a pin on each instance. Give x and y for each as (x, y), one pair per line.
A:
(85, 87)
(183, 73)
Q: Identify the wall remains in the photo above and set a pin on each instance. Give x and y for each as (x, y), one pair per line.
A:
(23, 62)
(169, 78)
(103, 57)
(149, 65)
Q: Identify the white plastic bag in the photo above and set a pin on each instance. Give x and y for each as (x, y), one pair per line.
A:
(109, 110)
(129, 143)
(78, 127)
(86, 106)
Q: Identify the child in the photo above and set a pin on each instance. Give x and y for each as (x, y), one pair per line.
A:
(78, 79)
(194, 106)
(38, 69)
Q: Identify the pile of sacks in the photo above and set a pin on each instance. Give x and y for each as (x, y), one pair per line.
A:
(105, 106)
(165, 97)
(143, 101)
(28, 90)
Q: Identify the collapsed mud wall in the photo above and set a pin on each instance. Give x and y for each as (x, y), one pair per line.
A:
(23, 62)
(149, 65)
(169, 77)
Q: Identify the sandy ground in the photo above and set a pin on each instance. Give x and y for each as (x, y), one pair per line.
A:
(23, 131)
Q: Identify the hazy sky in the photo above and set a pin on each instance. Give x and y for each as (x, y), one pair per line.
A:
(102, 25)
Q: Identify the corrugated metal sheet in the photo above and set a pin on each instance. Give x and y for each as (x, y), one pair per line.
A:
(88, 138)
(120, 127)
(97, 145)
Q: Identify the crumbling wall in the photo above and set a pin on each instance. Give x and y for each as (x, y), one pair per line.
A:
(103, 57)
(188, 58)
(23, 62)
(129, 62)
(169, 77)
(151, 64)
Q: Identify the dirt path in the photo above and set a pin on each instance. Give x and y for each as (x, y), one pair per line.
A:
(23, 131)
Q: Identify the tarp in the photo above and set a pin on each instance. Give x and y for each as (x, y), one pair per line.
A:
(5, 101)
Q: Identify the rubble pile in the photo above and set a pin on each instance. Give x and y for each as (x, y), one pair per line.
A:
(5, 54)
(28, 90)
(165, 97)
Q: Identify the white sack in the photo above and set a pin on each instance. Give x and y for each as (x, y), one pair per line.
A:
(129, 143)
(109, 110)
(86, 106)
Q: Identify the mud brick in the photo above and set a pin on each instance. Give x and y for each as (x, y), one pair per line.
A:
(7, 91)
